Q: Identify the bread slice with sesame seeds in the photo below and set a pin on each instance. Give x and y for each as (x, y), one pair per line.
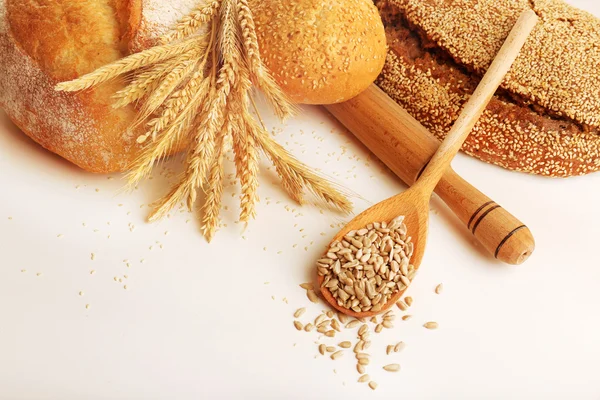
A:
(545, 119)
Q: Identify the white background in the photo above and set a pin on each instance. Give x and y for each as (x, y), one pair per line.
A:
(215, 321)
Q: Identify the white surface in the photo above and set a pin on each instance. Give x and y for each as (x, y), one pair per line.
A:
(198, 320)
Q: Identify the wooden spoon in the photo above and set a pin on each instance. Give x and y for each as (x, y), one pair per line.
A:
(413, 204)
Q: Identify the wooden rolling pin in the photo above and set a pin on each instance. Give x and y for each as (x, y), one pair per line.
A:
(406, 147)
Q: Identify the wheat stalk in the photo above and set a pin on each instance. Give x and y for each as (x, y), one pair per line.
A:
(261, 77)
(190, 24)
(135, 61)
(214, 193)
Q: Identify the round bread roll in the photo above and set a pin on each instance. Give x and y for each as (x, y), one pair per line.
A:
(42, 44)
(321, 52)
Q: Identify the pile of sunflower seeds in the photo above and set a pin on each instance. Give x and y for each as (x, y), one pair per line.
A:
(368, 266)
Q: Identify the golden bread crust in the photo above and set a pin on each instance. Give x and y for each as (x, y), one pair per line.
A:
(43, 42)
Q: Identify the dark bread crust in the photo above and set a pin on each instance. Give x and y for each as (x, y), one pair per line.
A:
(514, 132)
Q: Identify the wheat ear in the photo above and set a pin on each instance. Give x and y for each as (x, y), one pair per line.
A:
(127, 64)
(295, 175)
(142, 84)
(190, 24)
(214, 192)
(262, 78)
(174, 123)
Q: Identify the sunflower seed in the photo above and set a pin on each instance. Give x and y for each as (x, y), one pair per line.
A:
(343, 318)
(330, 349)
(322, 349)
(401, 305)
(389, 349)
(392, 367)
(439, 288)
(345, 345)
(406, 317)
(320, 319)
(359, 346)
(378, 328)
(373, 385)
(360, 368)
(335, 325)
(387, 324)
(399, 347)
(408, 300)
(309, 327)
(337, 355)
(312, 296)
(363, 329)
(364, 379)
(330, 333)
(298, 325)
(352, 324)
(363, 361)
(299, 312)
(431, 325)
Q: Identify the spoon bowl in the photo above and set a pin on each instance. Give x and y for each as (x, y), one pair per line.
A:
(413, 204)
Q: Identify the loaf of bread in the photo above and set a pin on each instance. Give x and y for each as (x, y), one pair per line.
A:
(332, 58)
(545, 119)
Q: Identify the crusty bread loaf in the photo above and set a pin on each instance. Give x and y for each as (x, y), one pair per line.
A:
(43, 42)
(321, 52)
(545, 119)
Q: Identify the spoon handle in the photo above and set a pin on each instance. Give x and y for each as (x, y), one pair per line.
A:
(478, 102)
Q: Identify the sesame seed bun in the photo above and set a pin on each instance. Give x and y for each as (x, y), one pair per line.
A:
(321, 52)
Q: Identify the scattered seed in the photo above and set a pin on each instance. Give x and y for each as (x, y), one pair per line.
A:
(312, 296)
(439, 288)
(373, 385)
(330, 349)
(299, 312)
(337, 355)
(378, 328)
(406, 317)
(322, 349)
(93, 256)
(389, 349)
(363, 329)
(343, 318)
(399, 347)
(401, 305)
(345, 345)
(352, 324)
(307, 286)
(392, 367)
(309, 327)
(408, 301)
(298, 325)
(387, 324)
(364, 379)
(360, 368)
(330, 333)
(431, 325)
